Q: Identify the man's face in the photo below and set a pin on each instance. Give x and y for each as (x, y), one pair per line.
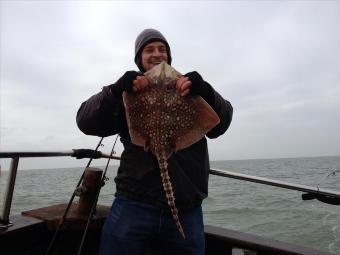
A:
(153, 54)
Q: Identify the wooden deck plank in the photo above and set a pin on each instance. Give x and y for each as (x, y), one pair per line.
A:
(74, 220)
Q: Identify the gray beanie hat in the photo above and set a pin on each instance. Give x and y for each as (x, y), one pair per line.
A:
(147, 36)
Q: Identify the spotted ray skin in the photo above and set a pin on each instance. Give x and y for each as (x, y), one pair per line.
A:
(161, 120)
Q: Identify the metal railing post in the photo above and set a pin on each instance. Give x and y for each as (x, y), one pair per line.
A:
(4, 220)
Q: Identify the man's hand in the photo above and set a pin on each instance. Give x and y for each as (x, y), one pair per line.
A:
(183, 85)
(140, 84)
(124, 83)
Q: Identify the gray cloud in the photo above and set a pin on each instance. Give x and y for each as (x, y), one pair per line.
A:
(277, 62)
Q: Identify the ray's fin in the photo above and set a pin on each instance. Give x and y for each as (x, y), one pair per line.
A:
(207, 120)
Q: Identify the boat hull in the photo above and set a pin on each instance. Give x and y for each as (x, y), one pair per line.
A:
(30, 236)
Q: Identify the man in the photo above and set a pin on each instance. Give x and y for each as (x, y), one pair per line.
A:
(140, 212)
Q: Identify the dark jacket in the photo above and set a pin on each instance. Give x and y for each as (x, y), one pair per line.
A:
(138, 174)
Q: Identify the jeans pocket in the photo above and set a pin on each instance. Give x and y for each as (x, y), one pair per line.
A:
(129, 219)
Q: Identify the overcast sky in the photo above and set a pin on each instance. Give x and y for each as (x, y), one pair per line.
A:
(277, 62)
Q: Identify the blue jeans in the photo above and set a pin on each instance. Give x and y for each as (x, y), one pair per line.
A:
(131, 226)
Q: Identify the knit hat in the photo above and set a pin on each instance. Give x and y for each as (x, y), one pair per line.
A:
(147, 36)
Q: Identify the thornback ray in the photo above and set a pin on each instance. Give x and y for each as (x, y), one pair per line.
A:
(162, 120)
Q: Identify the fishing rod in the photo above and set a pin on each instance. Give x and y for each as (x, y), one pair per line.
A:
(94, 205)
(62, 220)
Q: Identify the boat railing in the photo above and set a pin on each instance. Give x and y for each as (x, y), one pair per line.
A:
(324, 195)
(15, 156)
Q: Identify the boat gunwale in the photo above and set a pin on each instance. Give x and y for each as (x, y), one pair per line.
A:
(31, 230)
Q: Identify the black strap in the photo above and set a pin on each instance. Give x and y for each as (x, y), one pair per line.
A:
(86, 153)
(322, 198)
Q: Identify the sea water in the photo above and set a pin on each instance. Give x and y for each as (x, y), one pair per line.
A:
(239, 205)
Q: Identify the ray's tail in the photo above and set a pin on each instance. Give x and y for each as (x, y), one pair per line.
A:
(163, 166)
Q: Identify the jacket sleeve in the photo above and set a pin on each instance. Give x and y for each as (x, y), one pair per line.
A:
(224, 110)
(101, 115)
